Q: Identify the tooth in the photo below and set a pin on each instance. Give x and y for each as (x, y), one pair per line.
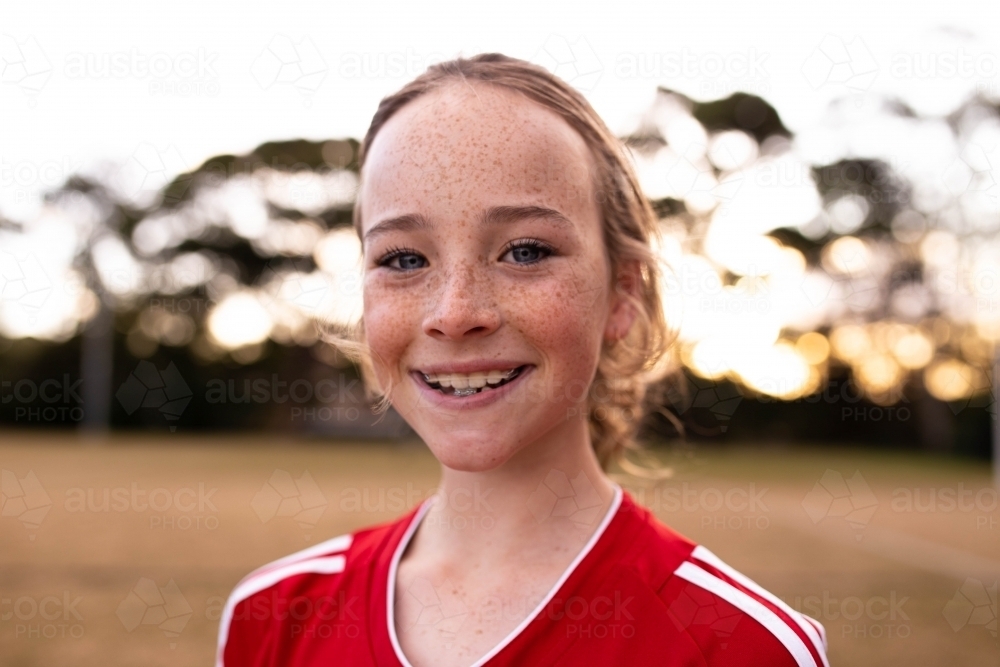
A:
(444, 380)
(495, 377)
(460, 381)
(477, 380)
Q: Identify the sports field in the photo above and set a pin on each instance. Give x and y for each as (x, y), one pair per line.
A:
(121, 551)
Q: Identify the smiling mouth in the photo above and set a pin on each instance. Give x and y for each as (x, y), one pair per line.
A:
(462, 384)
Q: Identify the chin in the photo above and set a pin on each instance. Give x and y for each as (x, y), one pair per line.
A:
(469, 456)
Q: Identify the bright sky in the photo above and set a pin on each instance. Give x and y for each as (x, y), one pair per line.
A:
(108, 79)
(161, 87)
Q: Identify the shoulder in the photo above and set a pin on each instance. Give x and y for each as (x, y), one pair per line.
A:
(324, 581)
(732, 620)
(735, 621)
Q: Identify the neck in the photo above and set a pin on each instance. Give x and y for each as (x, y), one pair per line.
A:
(538, 504)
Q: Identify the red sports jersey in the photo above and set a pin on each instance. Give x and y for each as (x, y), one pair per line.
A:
(637, 594)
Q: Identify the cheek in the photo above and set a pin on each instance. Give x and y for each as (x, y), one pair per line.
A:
(566, 317)
(389, 322)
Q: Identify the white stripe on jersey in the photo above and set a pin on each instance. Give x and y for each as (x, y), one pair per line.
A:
(332, 546)
(819, 628)
(813, 630)
(745, 603)
(300, 562)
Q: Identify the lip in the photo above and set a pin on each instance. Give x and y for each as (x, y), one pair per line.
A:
(435, 398)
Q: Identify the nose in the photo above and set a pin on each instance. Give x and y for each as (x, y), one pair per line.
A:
(462, 306)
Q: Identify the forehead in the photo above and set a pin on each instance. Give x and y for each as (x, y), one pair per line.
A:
(472, 146)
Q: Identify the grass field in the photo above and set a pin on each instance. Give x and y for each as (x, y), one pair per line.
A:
(898, 555)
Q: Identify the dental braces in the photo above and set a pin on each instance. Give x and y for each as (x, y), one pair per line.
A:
(469, 391)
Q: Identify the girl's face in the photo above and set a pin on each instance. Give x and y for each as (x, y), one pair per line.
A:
(487, 288)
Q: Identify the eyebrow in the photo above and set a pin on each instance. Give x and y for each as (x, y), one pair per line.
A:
(401, 223)
(493, 216)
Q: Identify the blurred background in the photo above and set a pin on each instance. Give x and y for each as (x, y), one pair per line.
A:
(176, 190)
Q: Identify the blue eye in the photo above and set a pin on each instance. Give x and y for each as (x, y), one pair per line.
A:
(528, 251)
(402, 259)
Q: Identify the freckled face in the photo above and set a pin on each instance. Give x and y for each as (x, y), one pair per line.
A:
(484, 256)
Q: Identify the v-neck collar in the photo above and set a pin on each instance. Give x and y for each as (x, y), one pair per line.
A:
(390, 615)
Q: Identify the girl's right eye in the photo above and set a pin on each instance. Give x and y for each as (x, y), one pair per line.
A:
(402, 259)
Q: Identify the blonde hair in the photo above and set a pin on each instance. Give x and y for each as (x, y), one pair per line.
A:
(629, 366)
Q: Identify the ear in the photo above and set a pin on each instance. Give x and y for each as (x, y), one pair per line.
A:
(622, 313)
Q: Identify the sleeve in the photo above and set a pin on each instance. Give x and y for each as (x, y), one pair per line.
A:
(246, 639)
(250, 629)
(735, 622)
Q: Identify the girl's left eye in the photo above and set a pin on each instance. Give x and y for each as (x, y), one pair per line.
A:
(527, 252)
(402, 259)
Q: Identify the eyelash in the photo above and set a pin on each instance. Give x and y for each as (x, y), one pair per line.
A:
(393, 253)
(536, 244)
(547, 250)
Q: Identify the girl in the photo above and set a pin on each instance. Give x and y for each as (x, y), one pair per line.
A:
(512, 316)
